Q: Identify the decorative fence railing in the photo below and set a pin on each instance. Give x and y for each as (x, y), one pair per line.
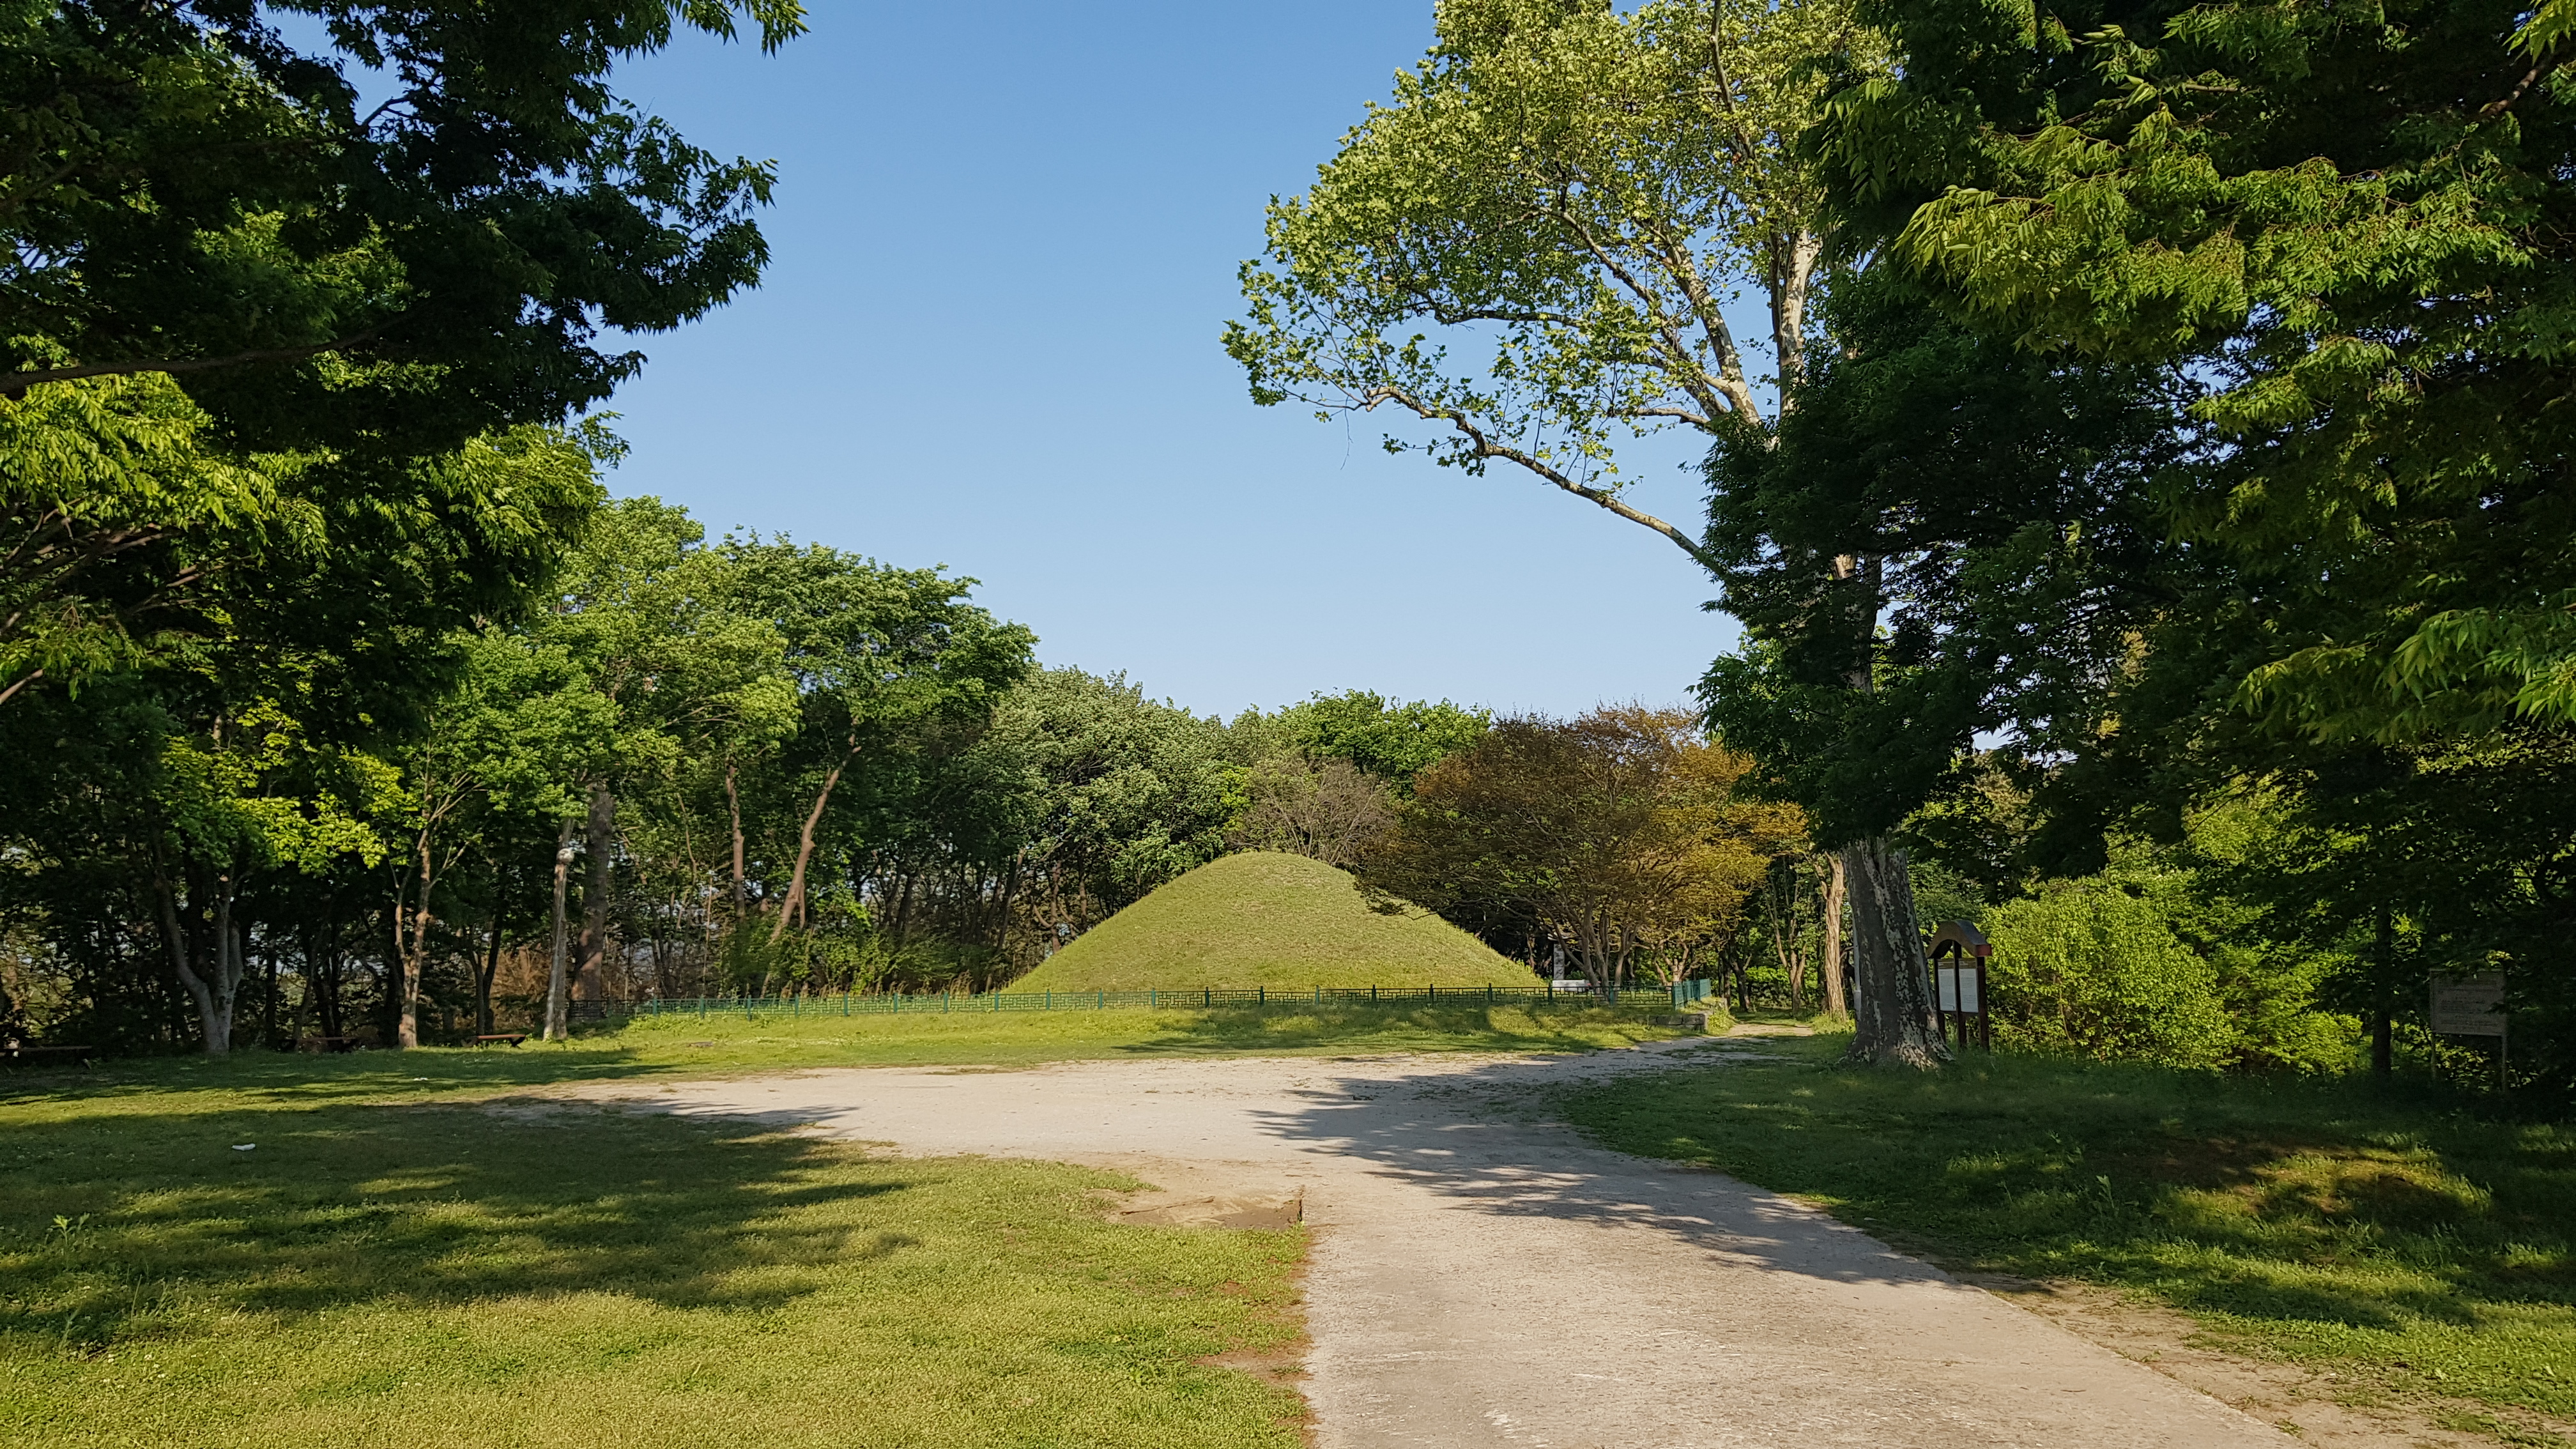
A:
(853, 1003)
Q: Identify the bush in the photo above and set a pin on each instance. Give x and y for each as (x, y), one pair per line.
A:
(2088, 969)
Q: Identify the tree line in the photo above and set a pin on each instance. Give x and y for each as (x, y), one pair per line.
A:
(2149, 470)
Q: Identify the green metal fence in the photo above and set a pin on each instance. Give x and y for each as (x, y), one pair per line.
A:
(851, 1003)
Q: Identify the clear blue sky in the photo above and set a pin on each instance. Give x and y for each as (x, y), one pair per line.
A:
(1004, 243)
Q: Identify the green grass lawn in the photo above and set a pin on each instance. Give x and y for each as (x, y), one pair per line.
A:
(415, 1253)
(2414, 1249)
(384, 1272)
(1263, 918)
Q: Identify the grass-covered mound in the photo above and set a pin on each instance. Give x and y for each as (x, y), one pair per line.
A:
(1267, 919)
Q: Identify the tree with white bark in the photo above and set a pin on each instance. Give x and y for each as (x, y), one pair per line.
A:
(1532, 249)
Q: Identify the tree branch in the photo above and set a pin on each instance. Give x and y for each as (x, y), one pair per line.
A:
(1486, 447)
(15, 384)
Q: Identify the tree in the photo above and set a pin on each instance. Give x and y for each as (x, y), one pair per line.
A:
(1328, 810)
(190, 195)
(249, 790)
(1621, 831)
(1112, 793)
(1576, 192)
(249, 326)
(2001, 506)
(1393, 740)
(2352, 232)
(2355, 230)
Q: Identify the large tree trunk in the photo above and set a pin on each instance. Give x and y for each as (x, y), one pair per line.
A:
(1837, 1002)
(599, 840)
(557, 1009)
(1893, 1016)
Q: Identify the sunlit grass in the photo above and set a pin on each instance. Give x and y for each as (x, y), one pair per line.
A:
(2412, 1247)
(386, 1274)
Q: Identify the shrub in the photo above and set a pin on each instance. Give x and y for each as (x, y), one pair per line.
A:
(2088, 969)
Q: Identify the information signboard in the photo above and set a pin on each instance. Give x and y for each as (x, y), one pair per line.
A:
(2469, 1005)
(1958, 985)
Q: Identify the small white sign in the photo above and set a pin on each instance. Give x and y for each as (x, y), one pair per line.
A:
(2469, 1005)
(1958, 987)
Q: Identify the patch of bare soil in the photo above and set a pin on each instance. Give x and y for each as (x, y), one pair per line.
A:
(2321, 1408)
(1192, 1195)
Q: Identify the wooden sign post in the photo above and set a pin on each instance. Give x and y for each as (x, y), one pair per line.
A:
(2472, 1006)
(1959, 987)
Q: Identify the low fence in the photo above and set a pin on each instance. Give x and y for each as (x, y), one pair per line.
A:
(856, 1004)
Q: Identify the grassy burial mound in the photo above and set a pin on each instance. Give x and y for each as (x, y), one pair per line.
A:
(1267, 919)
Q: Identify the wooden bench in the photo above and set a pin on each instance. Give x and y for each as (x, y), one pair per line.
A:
(17, 1051)
(512, 1037)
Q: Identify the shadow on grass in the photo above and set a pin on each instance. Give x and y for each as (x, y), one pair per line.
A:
(2286, 1201)
(111, 1220)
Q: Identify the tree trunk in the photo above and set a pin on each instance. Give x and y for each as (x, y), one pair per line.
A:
(599, 842)
(733, 811)
(413, 948)
(484, 978)
(1837, 1004)
(213, 989)
(1893, 1017)
(557, 1010)
(795, 901)
(228, 960)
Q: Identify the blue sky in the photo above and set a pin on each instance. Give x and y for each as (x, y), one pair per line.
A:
(1004, 243)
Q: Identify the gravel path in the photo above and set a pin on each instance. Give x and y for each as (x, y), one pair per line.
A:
(1483, 1276)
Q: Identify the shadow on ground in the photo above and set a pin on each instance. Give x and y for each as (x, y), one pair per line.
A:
(295, 1212)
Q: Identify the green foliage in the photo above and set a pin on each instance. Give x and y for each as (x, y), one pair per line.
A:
(192, 194)
(2353, 230)
(1394, 740)
(1565, 194)
(2407, 1248)
(2087, 968)
(1108, 794)
(1963, 525)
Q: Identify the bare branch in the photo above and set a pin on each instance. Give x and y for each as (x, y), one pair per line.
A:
(1486, 447)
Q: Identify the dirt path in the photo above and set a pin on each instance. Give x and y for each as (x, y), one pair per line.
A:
(1483, 1276)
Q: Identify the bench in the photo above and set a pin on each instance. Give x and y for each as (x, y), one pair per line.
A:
(27, 1052)
(512, 1037)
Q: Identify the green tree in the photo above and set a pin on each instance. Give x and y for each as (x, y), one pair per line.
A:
(2350, 231)
(2353, 229)
(1944, 537)
(1393, 740)
(1622, 832)
(1571, 194)
(879, 656)
(1567, 196)
(193, 195)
